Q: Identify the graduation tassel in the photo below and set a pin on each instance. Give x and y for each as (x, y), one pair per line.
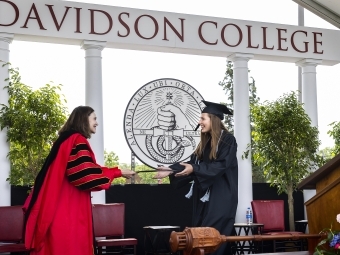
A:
(190, 191)
(205, 198)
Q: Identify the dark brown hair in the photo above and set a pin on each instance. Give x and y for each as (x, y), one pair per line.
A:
(215, 132)
(79, 121)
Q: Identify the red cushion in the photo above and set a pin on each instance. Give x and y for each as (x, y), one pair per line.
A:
(270, 213)
(11, 223)
(12, 247)
(108, 219)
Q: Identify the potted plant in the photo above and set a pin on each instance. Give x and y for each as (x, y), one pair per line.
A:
(32, 118)
(285, 145)
(330, 245)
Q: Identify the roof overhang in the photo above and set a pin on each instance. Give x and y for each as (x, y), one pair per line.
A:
(328, 10)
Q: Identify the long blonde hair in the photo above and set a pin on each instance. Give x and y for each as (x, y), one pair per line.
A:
(215, 132)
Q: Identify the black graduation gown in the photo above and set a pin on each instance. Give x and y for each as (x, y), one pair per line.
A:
(220, 176)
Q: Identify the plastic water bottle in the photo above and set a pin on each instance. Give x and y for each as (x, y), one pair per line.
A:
(249, 216)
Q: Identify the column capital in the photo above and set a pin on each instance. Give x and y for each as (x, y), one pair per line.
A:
(308, 62)
(87, 44)
(6, 37)
(240, 56)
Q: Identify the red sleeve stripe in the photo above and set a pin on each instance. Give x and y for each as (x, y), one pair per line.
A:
(79, 147)
(83, 174)
(80, 161)
(81, 153)
(93, 183)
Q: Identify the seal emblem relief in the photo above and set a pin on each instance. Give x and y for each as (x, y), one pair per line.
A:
(160, 119)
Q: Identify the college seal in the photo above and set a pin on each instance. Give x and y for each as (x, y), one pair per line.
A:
(159, 122)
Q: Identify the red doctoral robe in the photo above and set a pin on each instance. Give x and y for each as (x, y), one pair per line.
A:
(60, 220)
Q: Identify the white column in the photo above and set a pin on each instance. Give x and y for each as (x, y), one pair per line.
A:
(94, 99)
(309, 100)
(5, 189)
(309, 90)
(242, 132)
(301, 22)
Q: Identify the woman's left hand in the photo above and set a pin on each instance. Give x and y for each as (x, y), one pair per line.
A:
(162, 172)
(187, 170)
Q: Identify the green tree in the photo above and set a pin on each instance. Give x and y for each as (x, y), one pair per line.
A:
(327, 153)
(228, 86)
(124, 166)
(112, 160)
(32, 118)
(147, 178)
(335, 134)
(285, 144)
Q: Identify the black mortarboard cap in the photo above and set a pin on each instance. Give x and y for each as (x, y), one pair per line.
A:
(216, 109)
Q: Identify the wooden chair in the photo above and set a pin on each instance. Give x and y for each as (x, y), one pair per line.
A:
(11, 229)
(109, 222)
(271, 214)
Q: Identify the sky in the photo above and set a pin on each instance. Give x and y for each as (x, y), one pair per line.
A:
(126, 71)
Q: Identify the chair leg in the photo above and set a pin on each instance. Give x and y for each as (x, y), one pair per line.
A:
(134, 250)
(100, 251)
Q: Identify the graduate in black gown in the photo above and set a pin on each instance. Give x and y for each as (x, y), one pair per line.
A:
(213, 172)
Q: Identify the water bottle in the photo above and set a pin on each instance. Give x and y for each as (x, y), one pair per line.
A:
(249, 216)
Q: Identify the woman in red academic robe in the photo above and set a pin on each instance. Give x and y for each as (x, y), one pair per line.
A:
(59, 216)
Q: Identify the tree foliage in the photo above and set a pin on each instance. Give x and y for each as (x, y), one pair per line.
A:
(327, 153)
(335, 134)
(112, 160)
(285, 144)
(228, 86)
(32, 119)
(147, 178)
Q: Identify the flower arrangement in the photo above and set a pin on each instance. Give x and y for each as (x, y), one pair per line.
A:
(331, 244)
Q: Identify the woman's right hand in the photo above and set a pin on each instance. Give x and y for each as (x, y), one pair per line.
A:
(127, 173)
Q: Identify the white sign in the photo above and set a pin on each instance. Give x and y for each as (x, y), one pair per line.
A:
(160, 119)
(126, 28)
